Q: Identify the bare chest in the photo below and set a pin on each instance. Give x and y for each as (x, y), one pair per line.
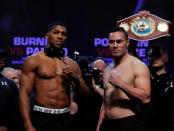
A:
(50, 68)
(123, 72)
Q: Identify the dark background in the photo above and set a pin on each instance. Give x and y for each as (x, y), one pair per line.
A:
(85, 20)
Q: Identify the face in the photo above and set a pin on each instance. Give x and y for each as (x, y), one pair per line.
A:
(2, 63)
(159, 62)
(57, 36)
(118, 44)
(13, 75)
(101, 66)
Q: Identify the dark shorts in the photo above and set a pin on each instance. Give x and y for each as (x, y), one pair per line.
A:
(130, 123)
(51, 122)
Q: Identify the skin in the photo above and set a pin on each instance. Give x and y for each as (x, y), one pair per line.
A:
(73, 106)
(143, 13)
(126, 75)
(102, 111)
(13, 75)
(3, 128)
(160, 62)
(101, 65)
(39, 71)
(19, 72)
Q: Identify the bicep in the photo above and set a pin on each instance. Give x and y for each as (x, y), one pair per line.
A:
(142, 78)
(27, 77)
(26, 82)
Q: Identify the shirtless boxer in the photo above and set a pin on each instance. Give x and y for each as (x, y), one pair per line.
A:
(50, 74)
(126, 79)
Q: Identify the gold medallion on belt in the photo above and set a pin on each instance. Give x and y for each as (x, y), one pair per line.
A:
(145, 28)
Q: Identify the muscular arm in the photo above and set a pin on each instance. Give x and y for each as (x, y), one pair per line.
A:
(73, 106)
(141, 88)
(142, 84)
(82, 85)
(26, 86)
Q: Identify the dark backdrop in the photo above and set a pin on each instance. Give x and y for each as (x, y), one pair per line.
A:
(85, 20)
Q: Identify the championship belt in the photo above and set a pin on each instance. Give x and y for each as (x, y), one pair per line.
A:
(145, 28)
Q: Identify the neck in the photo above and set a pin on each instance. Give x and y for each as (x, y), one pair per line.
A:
(121, 59)
(161, 71)
(158, 70)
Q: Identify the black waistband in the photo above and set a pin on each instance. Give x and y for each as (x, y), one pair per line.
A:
(127, 118)
(36, 103)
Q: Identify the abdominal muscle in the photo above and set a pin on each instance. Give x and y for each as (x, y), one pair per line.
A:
(51, 94)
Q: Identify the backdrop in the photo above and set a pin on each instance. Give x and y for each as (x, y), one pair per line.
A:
(23, 24)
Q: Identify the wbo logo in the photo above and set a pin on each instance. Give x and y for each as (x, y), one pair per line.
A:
(142, 26)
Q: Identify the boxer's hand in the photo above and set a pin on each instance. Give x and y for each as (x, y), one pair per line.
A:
(68, 71)
(144, 13)
(73, 108)
(114, 79)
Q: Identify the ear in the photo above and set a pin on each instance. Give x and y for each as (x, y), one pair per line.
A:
(166, 58)
(128, 42)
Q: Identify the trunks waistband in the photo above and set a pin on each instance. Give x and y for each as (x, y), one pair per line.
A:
(50, 111)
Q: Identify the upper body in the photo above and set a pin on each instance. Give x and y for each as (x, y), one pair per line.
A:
(45, 76)
(162, 88)
(48, 73)
(125, 79)
(161, 80)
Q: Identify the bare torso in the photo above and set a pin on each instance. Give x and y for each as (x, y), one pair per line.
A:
(114, 97)
(49, 85)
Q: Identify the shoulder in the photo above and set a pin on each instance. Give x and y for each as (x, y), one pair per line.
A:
(136, 62)
(34, 60)
(35, 57)
(137, 65)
